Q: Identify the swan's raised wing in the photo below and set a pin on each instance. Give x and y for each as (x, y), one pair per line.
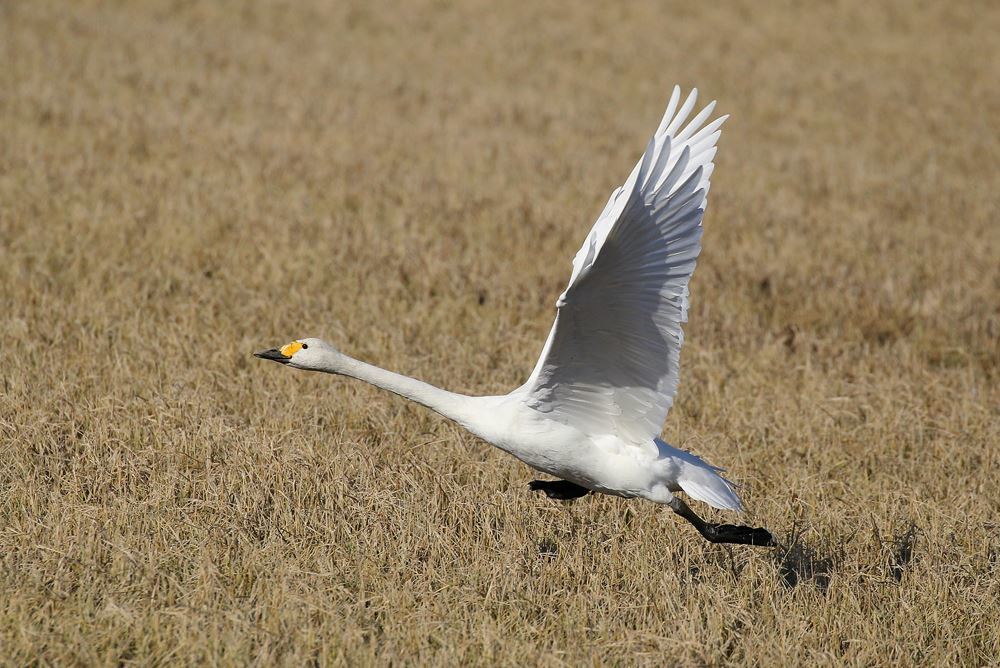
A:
(610, 364)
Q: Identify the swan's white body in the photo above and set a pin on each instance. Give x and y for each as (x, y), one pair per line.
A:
(593, 407)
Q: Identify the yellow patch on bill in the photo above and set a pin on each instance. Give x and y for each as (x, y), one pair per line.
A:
(291, 348)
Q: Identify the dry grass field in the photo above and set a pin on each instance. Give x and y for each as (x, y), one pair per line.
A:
(183, 183)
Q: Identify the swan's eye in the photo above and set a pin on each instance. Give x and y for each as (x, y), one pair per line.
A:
(305, 346)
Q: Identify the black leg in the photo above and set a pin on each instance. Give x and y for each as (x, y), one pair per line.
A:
(723, 533)
(559, 489)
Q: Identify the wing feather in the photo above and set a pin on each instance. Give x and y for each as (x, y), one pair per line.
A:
(611, 361)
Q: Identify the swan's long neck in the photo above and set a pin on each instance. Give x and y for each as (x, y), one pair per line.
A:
(458, 407)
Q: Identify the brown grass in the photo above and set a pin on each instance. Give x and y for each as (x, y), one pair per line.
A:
(183, 183)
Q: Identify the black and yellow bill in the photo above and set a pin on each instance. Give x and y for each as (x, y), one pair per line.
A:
(282, 355)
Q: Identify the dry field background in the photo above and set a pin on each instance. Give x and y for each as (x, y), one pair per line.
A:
(182, 183)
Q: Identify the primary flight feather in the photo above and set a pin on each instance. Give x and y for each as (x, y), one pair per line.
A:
(592, 409)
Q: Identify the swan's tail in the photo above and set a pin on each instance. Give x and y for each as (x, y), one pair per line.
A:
(710, 487)
(702, 481)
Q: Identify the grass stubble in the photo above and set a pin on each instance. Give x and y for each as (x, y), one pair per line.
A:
(184, 183)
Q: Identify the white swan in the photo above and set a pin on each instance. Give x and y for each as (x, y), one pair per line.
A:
(592, 410)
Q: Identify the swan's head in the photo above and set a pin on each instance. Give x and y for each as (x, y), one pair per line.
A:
(313, 354)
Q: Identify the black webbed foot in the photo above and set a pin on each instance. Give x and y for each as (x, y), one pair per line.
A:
(723, 533)
(738, 535)
(563, 490)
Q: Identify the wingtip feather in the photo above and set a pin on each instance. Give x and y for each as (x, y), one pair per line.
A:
(675, 97)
